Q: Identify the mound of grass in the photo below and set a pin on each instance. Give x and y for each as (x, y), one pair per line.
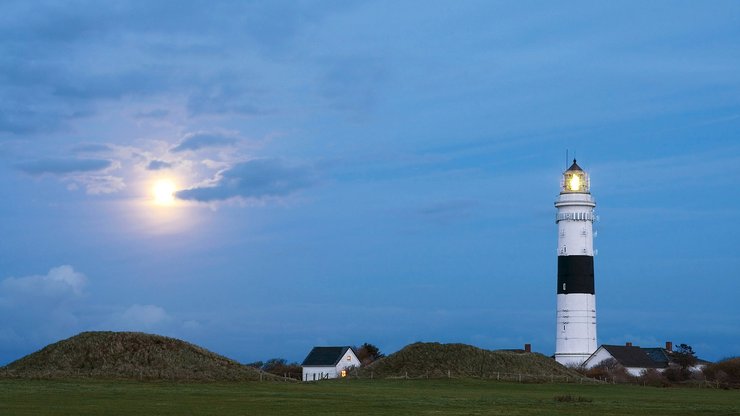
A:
(435, 360)
(129, 355)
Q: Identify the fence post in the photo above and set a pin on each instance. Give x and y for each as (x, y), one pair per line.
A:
(448, 373)
(406, 373)
(372, 373)
(498, 376)
(520, 377)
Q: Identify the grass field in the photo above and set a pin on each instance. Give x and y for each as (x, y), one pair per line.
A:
(357, 397)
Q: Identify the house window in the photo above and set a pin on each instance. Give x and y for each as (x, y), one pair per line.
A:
(349, 358)
(344, 373)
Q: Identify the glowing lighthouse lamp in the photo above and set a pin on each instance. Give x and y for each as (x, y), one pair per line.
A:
(576, 302)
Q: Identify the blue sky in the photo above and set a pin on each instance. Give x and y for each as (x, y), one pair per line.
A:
(352, 172)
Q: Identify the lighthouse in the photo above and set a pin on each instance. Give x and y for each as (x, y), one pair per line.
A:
(576, 300)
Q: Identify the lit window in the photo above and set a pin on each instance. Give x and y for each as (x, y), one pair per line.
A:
(344, 373)
(349, 358)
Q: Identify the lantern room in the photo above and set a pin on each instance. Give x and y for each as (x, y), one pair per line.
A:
(575, 180)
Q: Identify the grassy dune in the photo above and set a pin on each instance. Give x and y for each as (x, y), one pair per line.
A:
(435, 360)
(357, 397)
(128, 355)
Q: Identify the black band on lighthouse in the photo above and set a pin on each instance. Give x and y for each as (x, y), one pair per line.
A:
(575, 274)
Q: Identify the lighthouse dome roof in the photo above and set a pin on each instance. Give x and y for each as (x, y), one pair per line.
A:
(575, 166)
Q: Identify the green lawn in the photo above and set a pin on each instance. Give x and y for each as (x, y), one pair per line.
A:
(356, 397)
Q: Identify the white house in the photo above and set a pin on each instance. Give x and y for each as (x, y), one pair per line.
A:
(328, 362)
(636, 360)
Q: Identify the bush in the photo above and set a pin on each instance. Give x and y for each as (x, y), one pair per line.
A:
(569, 398)
(281, 367)
(367, 353)
(653, 377)
(676, 374)
(726, 372)
(609, 370)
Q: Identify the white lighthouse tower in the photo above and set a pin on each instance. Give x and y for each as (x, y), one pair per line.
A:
(576, 315)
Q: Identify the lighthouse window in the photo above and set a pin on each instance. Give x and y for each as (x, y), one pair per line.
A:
(563, 286)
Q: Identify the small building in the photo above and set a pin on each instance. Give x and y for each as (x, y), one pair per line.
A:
(637, 360)
(634, 359)
(328, 362)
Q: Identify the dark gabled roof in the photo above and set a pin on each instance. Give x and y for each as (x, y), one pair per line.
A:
(325, 356)
(629, 356)
(575, 166)
(659, 355)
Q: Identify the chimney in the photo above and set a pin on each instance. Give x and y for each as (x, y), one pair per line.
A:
(527, 347)
(669, 346)
(629, 344)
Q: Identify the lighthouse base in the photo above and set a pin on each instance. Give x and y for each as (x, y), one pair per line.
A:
(575, 339)
(571, 360)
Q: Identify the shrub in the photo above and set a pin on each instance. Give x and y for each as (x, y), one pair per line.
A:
(609, 370)
(653, 377)
(676, 374)
(569, 398)
(281, 367)
(726, 372)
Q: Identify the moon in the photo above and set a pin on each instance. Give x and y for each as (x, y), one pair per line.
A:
(163, 192)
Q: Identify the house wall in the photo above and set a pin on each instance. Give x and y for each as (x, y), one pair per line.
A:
(348, 360)
(637, 371)
(319, 373)
(600, 355)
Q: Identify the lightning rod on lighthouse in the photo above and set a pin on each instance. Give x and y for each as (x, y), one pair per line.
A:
(576, 300)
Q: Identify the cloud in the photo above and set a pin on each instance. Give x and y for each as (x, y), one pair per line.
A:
(157, 113)
(100, 184)
(204, 139)
(92, 174)
(352, 84)
(62, 281)
(448, 211)
(92, 148)
(254, 179)
(61, 166)
(158, 165)
(38, 309)
(224, 99)
(142, 316)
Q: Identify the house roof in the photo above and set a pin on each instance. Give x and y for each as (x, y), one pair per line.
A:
(325, 356)
(629, 356)
(659, 355)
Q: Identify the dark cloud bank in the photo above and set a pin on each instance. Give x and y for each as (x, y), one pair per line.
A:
(254, 179)
(201, 140)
